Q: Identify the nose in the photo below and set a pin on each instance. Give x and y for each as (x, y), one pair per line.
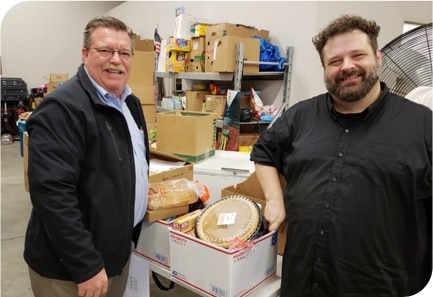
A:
(115, 57)
(347, 64)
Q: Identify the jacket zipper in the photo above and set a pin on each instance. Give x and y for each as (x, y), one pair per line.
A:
(114, 141)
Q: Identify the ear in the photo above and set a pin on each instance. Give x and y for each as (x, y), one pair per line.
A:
(379, 56)
(84, 54)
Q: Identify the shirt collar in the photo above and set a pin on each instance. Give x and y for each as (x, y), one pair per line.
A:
(104, 95)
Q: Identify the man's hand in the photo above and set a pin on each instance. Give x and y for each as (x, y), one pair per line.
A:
(95, 286)
(274, 214)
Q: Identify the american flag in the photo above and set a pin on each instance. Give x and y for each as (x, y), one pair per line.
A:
(157, 41)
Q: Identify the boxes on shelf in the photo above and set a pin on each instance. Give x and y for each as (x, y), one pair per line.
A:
(251, 188)
(171, 103)
(216, 104)
(195, 100)
(200, 29)
(195, 62)
(218, 271)
(178, 44)
(221, 55)
(188, 134)
(175, 61)
(224, 29)
(198, 44)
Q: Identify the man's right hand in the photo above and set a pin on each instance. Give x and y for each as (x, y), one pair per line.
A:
(95, 286)
(274, 214)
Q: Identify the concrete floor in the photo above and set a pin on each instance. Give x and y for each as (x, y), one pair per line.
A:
(15, 211)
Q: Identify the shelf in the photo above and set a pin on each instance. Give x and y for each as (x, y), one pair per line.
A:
(217, 76)
(222, 76)
(220, 123)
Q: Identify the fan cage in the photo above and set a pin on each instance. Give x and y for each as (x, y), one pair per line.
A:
(407, 60)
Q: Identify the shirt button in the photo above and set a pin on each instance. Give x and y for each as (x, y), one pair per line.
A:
(316, 284)
(319, 259)
(334, 179)
(340, 154)
(322, 232)
(327, 205)
(346, 130)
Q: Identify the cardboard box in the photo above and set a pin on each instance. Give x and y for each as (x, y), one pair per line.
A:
(216, 104)
(144, 45)
(174, 171)
(198, 44)
(224, 29)
(153, 242)
(195, 62)
(174, 168)
(188, 134)
(146, 94)
(149, 111)
(247, 141)
(252, 189)
(195, 100)
(221, 54)
(58, 77)
(178, 44)
(218, 271)
(143, 69)
(175, 61)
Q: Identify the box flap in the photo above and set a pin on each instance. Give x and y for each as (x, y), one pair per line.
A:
(154, 153)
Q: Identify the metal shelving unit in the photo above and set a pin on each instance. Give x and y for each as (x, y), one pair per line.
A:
(238, 76)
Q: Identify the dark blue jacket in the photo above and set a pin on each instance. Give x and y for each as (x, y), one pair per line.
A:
(82, 183)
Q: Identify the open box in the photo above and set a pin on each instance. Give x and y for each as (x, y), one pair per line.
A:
(217, 271)
(166, 166)
(252, 189)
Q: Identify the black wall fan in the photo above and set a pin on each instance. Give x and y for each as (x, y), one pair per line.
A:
(407, 60)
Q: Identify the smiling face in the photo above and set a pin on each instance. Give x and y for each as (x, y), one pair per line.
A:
(351, 67)
(110, 72)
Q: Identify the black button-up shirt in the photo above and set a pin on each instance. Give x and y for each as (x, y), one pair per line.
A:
(358, 196)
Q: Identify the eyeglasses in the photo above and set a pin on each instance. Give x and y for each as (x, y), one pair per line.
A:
(107, 52)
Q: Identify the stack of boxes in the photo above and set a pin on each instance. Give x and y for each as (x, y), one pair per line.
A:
(56, 79)
(177, 50)
(221, 41)
(142, 79)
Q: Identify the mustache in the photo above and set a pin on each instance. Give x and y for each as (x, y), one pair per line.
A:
(352, 73)
(115, 68)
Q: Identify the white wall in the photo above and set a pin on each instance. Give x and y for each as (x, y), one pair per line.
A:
(43, 37)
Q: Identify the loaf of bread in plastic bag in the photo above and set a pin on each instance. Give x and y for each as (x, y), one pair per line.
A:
(171, 193)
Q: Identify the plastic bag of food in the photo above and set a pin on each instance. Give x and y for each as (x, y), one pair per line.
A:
(175, 193)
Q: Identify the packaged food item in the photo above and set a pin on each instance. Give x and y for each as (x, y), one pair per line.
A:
(226, 222)
(174, 193)
(186, 223)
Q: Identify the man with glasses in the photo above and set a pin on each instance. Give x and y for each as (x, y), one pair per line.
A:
(88, 172)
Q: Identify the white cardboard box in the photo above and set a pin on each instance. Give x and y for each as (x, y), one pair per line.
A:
(153, 243)
(218, 271)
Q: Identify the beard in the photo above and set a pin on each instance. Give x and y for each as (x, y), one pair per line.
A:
(345, 93)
